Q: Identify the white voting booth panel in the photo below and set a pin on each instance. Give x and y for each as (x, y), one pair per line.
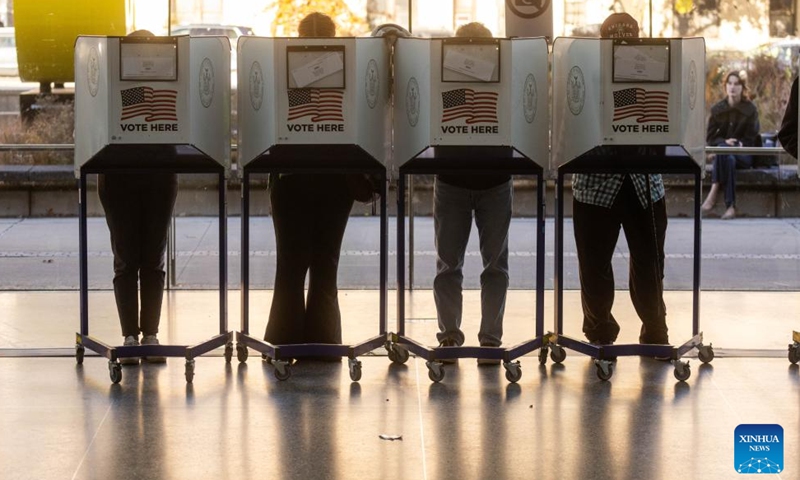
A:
(304, 91)
(501, 100)
(658, 97)
(161, 91)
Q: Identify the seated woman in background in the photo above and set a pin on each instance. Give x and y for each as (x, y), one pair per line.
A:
(733, 123)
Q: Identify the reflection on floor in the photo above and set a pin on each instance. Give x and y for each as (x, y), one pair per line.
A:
(236, 420)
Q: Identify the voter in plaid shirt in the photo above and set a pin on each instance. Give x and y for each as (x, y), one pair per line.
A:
(602, 203)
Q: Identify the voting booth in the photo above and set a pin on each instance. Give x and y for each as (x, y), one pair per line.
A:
(628, 106)
(490, 93)
(312, 105)
(470, 106)
(152, 104)
(629, 92)
(296, 93)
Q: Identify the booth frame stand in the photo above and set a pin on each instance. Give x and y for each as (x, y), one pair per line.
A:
(310, 159)
(473, 160)
(605, 355)
(114, 353)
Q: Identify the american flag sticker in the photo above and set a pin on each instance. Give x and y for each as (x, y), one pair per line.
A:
(150, 103)
(643, 105)
(321, 104)
(474, 107)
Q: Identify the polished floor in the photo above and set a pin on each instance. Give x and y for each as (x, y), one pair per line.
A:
(63, 421)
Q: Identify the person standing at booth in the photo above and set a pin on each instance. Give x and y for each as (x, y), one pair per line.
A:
(733, 123)
(455, 199)
(310, 213)
(138, 210)
(604, 203)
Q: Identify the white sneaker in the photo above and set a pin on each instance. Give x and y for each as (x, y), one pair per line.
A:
(130, 341)
(153, 340)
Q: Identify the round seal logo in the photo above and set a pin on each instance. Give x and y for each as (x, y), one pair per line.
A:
(530, 98)
(576, 90)
(692, 85)
(256, 86)
(93, 72)
(371, 84)
(412, 101)
(528, 8)
(206, 82)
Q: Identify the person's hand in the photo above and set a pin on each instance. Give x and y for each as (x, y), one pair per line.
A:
(732, 142)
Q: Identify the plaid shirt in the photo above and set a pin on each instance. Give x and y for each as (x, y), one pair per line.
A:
(601, 189)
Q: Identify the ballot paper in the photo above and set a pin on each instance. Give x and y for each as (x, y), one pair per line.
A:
(641, 63)
(320, 67)
(153, 61)
(470, 65)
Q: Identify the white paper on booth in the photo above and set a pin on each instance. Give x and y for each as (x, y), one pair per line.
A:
(321, 67)
(468, 65)
(634, 63)
(148, 62)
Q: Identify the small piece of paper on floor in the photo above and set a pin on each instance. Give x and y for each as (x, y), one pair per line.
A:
(384, 436)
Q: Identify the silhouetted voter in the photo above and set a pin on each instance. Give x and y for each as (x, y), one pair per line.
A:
(310, 213)
(138, 210)
(602, 203)
(456, 198)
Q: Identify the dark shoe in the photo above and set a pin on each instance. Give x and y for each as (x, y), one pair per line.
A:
(448, 342)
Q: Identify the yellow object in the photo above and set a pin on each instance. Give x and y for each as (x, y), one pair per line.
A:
(46, 32)
(684, 6)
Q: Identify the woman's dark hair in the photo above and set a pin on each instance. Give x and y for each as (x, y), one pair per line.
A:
(742, 77)
(316, 25)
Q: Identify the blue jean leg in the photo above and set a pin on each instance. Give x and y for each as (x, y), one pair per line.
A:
(453, 211)
(493, 217)
(724, 172)
(452, 222)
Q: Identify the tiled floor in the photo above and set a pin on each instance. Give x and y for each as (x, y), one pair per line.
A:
(63, 421)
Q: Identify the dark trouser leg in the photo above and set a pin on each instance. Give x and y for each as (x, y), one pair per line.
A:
(724, 172)
(156, 204)
(121, 216)
(596, 233)
(645, 231)
(291, 210)
(333, 203)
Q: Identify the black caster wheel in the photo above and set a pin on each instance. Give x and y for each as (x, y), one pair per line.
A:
(558, 354)
(435, 371)
(189, 371)
(513, 371)
(80, 350)
(682, 371)
(398, 354)
(228, 352)
(355, 370)
(605, 370)
(115, 372)
(282, 370)
(794, 354)
(241, 353)
(543, 355)
(705, 354)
